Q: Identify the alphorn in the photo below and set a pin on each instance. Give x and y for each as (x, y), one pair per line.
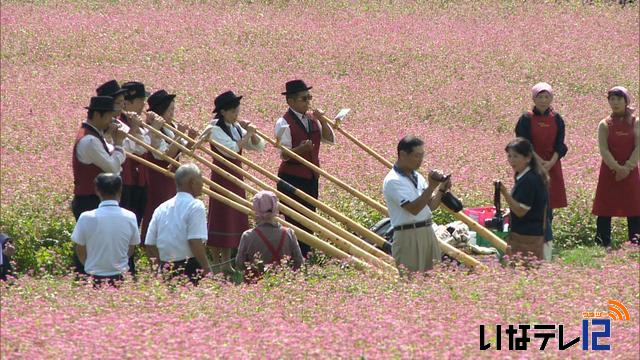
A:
(352, 249)
(374, 204)
(363, 231)
(344, 244)
(448, 249)
(355, 226)
(307, 238)
(473, 225)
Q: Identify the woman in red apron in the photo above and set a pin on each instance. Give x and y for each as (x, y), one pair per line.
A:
(160, 188)
(226, 224)
(545, 129)
(618, 191)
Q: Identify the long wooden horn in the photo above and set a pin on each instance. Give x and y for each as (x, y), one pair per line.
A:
(374, 204)
(301, 219)
(350, 237)
(363, 231)
(344, 244)
(460, 256)
(473, 225)
(449, 250)
(307, 238)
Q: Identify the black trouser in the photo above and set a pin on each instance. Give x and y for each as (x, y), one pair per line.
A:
(80, 204)
(5, 268)
(111, 280)
(603, 228)
(132, 263)
(134, 199)
(189, 268)
(548, 233)
(310, 187)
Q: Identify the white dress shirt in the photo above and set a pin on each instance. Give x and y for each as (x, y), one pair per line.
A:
(398, 190)
(174, 223)
(91, 151)
(220, 136)
(107, 232)
(286, 140)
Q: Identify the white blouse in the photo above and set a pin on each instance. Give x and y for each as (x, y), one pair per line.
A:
(221, 137)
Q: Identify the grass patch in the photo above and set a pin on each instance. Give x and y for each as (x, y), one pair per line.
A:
(588, 256)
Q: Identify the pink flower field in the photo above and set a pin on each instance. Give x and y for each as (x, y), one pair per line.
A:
(456, 73)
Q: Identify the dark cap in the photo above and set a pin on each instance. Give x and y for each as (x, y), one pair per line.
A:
(134, 90)
(159, 101)
(295, 86)
(110, 88)
(101, 103)
(226, 100)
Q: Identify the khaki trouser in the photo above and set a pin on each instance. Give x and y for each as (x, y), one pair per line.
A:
(416, 249)
(547, 250)
(526, 245)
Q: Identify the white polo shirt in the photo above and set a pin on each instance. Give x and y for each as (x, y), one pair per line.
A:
(107, 232)
(174, 223)
(398, 190)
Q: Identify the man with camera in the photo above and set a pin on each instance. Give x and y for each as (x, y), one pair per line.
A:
(410, 201)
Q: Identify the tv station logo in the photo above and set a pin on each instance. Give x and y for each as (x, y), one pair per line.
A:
(595, 328)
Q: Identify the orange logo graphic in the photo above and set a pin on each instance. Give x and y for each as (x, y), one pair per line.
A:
(617, 311)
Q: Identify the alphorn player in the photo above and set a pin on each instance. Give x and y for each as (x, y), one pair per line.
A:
(92, 155)
(159, 187)
(134, 187)
(302, 132)
(113, 89)
(226, 224)
(410, 201)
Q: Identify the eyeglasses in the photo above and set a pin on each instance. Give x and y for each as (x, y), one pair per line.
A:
(306, 98)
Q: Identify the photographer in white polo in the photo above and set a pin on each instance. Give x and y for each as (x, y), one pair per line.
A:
(410, 201)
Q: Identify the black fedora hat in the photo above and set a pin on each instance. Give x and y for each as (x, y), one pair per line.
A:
(134, 90)
(158, 99)
(110, 88)
(295, 86)
(226, 100)
(101, 103)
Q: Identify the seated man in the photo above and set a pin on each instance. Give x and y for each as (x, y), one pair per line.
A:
(106, 237)
(178, 228)
(268, 240)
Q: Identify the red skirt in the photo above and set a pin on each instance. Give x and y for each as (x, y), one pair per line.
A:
(226, 224)
(617, 198)
(160, 188)
(557, 192)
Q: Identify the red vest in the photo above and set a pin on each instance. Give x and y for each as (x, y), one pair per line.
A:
(85, 174)
(299, 134)
(132, 174)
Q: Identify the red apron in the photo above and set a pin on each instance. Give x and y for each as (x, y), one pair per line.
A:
(618, 198)
(543, 135)
(226, 224)
(160, 188)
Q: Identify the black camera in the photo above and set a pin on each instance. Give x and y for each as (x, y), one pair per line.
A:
(497, 221)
